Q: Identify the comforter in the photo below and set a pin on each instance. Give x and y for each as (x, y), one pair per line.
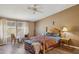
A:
(47, 42)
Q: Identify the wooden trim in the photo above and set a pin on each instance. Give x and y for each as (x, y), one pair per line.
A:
(72, 46)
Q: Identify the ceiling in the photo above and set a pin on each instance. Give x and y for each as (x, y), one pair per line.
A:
(21, 11)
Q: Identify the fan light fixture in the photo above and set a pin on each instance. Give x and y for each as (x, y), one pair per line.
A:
(34, 8)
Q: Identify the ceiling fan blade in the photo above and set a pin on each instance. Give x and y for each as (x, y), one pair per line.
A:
(35, 5)
(35, 9)
(29, 8)
(38, 11)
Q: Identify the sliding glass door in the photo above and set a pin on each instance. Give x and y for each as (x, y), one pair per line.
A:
(21, 29)
(11, 29)
(8, 27)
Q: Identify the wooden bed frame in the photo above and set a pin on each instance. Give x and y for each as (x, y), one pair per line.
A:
(44, 50)
(30, 48)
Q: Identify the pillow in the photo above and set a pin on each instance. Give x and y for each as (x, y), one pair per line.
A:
(28, 41)
(52, 34)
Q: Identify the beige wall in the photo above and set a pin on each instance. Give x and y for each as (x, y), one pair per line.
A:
(31, 28)
(68, 17)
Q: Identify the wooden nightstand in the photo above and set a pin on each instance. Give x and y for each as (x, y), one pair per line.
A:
(64, 41)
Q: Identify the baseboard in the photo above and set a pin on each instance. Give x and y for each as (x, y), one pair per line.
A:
(72, 46)
(1, 44)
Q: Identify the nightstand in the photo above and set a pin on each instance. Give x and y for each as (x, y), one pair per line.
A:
(64, 41)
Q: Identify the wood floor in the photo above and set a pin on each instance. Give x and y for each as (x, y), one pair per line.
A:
(13, 49)
(63, 50)
(60, 51)
(19, 49)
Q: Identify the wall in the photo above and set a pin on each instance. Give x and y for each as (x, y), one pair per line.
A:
(68, 18)
(31, 28)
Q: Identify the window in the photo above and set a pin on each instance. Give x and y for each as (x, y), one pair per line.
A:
(22, 29)
(8, 27)
(11, 28)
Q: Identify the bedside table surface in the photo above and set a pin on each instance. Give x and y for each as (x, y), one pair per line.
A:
(64, 40)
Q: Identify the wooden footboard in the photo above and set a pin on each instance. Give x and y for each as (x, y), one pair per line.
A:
(29, 48)
(47, 47)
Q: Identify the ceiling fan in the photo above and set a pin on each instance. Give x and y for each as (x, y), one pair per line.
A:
(35, 8)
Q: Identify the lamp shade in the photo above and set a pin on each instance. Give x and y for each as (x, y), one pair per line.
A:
(65, 29)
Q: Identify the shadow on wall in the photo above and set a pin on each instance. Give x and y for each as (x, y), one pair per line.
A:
(74, 35)
(75, 30)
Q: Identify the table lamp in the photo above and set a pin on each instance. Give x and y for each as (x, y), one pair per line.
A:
(64, 30)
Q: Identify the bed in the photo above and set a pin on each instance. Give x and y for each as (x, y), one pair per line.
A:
(51, 42)
(48, 41)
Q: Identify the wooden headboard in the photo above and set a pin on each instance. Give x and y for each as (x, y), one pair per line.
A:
(54, 30)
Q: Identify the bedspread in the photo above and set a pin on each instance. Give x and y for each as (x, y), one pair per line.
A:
(46, 42)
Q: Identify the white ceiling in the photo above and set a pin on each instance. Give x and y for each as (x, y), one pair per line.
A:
(21, 11)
